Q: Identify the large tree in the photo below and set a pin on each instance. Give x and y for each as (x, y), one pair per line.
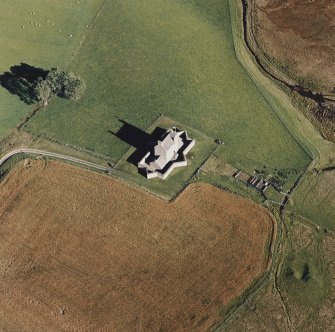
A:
(59, 83)
(74, 88)
(43, 91)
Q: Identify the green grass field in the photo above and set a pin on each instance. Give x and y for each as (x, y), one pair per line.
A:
(40, 46)
(144, 58)
(314, 199)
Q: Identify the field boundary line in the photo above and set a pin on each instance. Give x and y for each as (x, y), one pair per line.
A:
(91, 153)
(86, 33)
(193, 175)
(276, 285)
(264, 279)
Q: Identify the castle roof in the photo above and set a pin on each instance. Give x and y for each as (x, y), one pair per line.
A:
(168, 153)
(167, 149)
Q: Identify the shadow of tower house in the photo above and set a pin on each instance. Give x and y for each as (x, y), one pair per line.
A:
(138, 139)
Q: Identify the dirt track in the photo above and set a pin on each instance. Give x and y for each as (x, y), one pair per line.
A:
(83, 252)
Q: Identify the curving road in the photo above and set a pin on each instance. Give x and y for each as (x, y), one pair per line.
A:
(53, 155)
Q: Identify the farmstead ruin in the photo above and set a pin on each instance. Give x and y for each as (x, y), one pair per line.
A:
(168, 153)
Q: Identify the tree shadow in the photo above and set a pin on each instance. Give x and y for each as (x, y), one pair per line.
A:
(138, 139)
(21, 80)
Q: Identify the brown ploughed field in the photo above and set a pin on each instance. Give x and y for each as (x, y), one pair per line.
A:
(80, 251)
(301, 35)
